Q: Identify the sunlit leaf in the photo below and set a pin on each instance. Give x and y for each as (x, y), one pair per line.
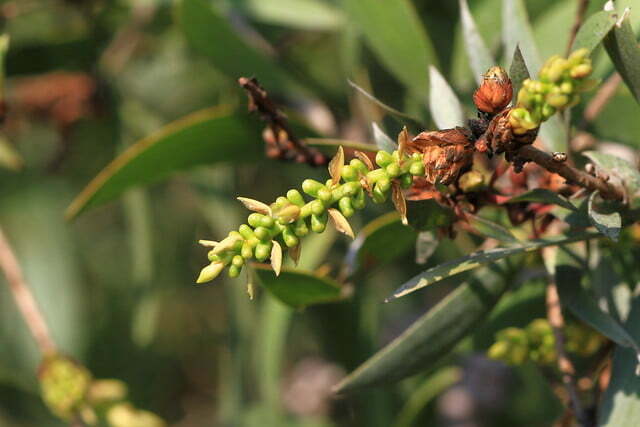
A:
(480, 57)
(444, 105)
(296, 288)
(303, 14)
(608, 224)
(479, 259)
(622, 46)
(204, 137)
(432, 336)
(593, 31)
(491, 229)
(542, 195)
(619, 171)
(426, 245)
(394, 32)
(390, 110)
(428, 214)
(383, 141)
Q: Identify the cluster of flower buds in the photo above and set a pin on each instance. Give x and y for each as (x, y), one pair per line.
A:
(536, 343)
(560, 83)
(71, 393)
(291, 217)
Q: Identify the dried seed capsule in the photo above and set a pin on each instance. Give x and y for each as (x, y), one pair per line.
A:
(495, 92)
(319, 222)
(346, 207)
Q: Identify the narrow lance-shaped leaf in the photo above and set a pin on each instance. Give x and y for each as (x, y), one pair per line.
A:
(303, 14)
(518, 71)
(298, 289)
(584, 306)
(594, 30)
(399, 115)
(426, 245)
(394, 31)
(432, 336)
(622, 46)
(608, 224)
(478, 259)
(480, 56)
(444, 105)
(383, 142)
(542, 195)
(491, 229)
(619, 171)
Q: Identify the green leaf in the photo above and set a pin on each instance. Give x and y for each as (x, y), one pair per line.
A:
(212, 35)
(428, 214)
(383, 141)
(426, 245)
(399, 115)
(381, 241)
(203, 137)
(517, 32)
(302, 14)
(478, 259)
(296, 288)
(480, 57)
(444, 105)
(394, 32)
(541, 195)
(608, 224)
(594, 30)
(432, 336)
(620, 406)
(518, 72)
(554, 134)
(584, 306)
(622, 47)
(491, 229)
(619, 171)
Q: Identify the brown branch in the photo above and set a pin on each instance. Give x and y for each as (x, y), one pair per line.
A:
(602, 97)
(572, 175)
(577, 23)
(24, 298)
(556, 320)
(280, 139)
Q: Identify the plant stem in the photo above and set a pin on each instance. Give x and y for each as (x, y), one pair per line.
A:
(607, 190)
(24, 298)
(577, 23)
(556, 320)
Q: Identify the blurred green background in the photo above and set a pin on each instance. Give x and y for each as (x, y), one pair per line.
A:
(87, 78)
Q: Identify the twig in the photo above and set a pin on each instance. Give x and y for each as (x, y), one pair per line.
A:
(577, 23)
(572, 175)
(602, 97)
(280, 139)
(556, 320)
(24, 298)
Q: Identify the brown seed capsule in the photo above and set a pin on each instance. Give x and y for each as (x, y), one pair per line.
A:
(445, 153)
(495, 92)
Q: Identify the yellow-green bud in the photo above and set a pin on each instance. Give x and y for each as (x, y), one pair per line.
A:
(359, 166)
(557, 101)
(345, 207)
(234, 271)
(289, 238)
(317, 207)
(300, 228)
(263, 251)
(106, 391)
(246, 251)
(237, 260)
(295, 197)
(383, 158)
(288, 214)
(318, 225)
(125, 415)
(210, 272)
(417, 168)
(393, 170)
(255, 219)
(64, 385)
(384, 184)
(262, 233)
(311, 187)
(349, 173)
(359, 201)
(581, 71)
(324, 194)
(379, 195)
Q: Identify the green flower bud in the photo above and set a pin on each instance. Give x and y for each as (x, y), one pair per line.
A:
(556, 69)
(234, 271)
(417, 168)
(345, 207)
(350, 189)
(383, 158)
(359, 165)
(247, 251)
(359, 201)
(255, 219)
(237, 260)
(210, 272)
(379, 196)
(267, 221)
(406, 180)
(288, 214)
(319, 222)
(213, 256)
(324, 194)
(295, 197)
(125, 415)
(300, 228)
(289, 238)
(263, 251)
(349, 173)
(547, 111)
(557, 101)
(393, 170)
(317, 207)
(581, 71)
(262, 233)
(578, 56)
(311, 187)
(384, 184)
(566, 87)
(64, 385)
(376, 175)
(246, 232)
(106, 391)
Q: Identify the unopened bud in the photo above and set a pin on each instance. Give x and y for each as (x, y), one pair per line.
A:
(210, 272)
(581, 71)
(106, 391)
(64, 385)
(495, 92)
(288, 214)
(125, 415)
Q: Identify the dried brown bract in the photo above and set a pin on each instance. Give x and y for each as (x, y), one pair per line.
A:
(495, 92)
(445, 153)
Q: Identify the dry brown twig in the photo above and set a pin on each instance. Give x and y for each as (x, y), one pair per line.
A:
(25, 301)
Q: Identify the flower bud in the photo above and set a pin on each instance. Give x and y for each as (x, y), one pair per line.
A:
(300, 228)
(346, 207)
(319, 222)
(295, 197)
(106, 391)
(263, 251)
(234, 271)
(288, 214)
(63, 384)
(125, 415)
(311, 187)
(495, 92)
(210, 272)
(349, 173)
(383, 158)
(581, 71)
